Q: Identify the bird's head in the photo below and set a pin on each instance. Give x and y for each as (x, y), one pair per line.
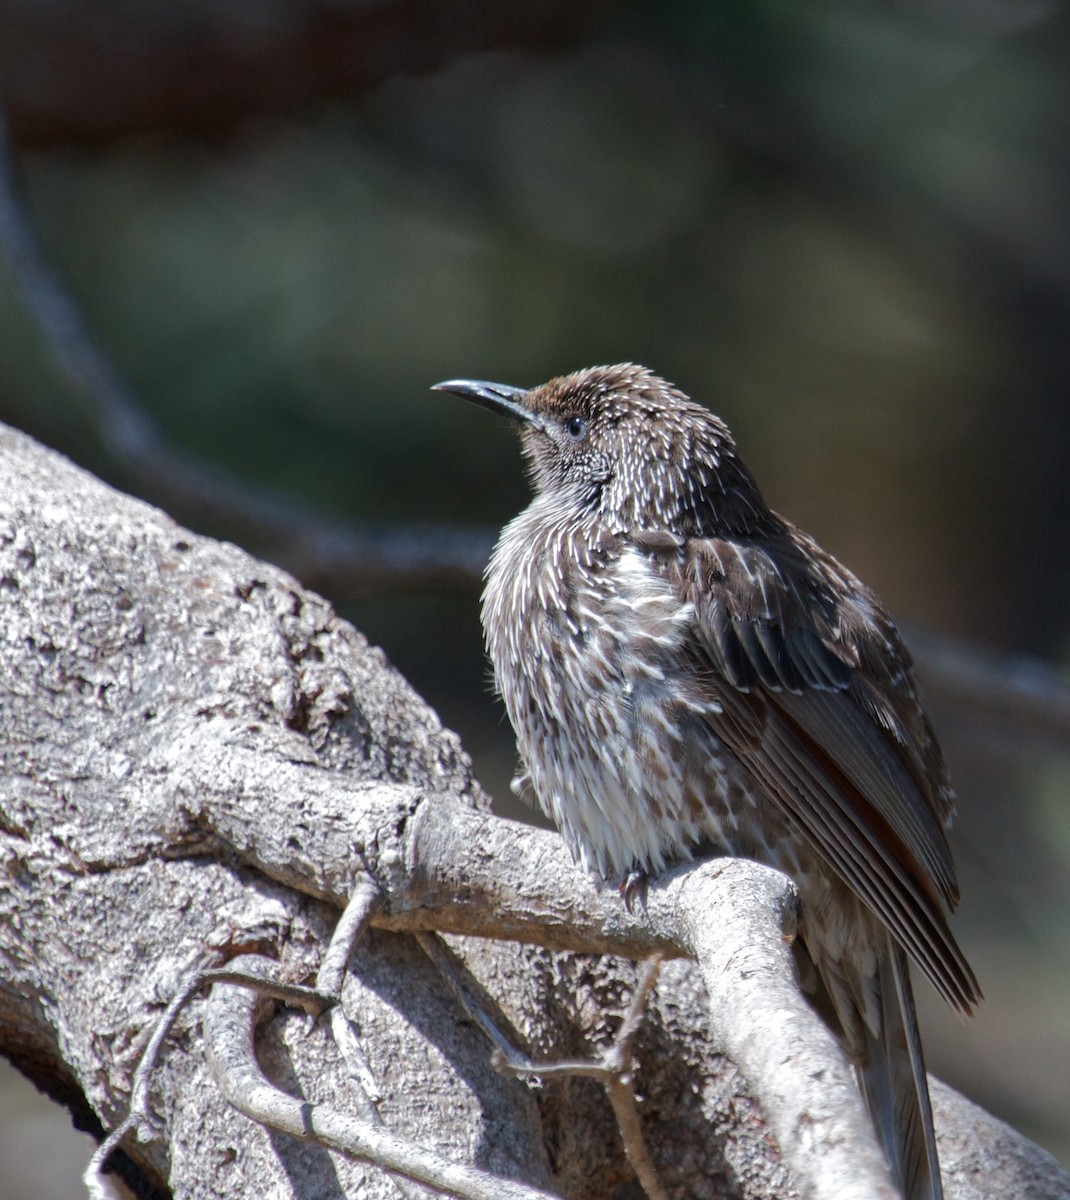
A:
(622, 442)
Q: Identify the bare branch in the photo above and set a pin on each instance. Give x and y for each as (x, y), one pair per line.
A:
(739, 928)
(352, 925)
(621, 1083)
(229, 1026)
(737, 920)
(260, 977)
(615, 1069)
(460, 984)
(363, 904)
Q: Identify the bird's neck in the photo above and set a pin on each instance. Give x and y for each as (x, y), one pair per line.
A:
(542, 556)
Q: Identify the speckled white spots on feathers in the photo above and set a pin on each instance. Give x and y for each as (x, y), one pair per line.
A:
(624, 782)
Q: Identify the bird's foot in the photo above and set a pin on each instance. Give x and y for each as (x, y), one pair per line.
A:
(633, 885)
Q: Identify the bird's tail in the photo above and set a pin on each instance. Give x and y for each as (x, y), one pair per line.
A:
(895, 1087)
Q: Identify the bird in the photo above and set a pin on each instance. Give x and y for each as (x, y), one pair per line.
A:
(689, 673)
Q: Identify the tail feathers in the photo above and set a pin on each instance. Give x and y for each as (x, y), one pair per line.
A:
(895, 1087)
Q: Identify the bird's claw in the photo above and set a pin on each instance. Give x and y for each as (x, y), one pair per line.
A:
(631, 886)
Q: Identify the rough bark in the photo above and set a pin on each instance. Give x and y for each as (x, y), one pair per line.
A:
(198, 755)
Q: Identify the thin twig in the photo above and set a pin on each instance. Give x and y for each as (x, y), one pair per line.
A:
(437, 951)
(620, 1086)
(614, 1069)
(229, 1021)
(363, 904)
(139, 1113)
(364, 901)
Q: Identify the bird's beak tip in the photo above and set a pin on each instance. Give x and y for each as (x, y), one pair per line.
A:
(498, 397)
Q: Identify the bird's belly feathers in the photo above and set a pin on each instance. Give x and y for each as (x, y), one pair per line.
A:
(615, 735)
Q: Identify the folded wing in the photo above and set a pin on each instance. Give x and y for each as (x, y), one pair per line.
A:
(822, 713)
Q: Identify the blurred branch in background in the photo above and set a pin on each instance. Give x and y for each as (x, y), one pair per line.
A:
(1020, 692)
(348, 559)
(77, 72)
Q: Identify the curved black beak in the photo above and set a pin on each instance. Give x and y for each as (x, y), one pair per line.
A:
(498, 397)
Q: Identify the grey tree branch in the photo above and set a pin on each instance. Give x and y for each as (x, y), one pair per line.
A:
(620, 1084)
(230, 1020)
(259, 976)
(808, 1088)
(198, 753)
(350, 929)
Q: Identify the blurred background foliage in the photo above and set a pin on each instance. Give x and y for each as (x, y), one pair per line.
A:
(842, 224)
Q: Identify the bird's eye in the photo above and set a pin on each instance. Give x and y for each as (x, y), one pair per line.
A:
(576, 428)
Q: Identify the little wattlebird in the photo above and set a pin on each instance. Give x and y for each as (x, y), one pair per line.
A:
(687, 672)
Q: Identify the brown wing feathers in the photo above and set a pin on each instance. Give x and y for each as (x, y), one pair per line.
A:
(835, 748)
